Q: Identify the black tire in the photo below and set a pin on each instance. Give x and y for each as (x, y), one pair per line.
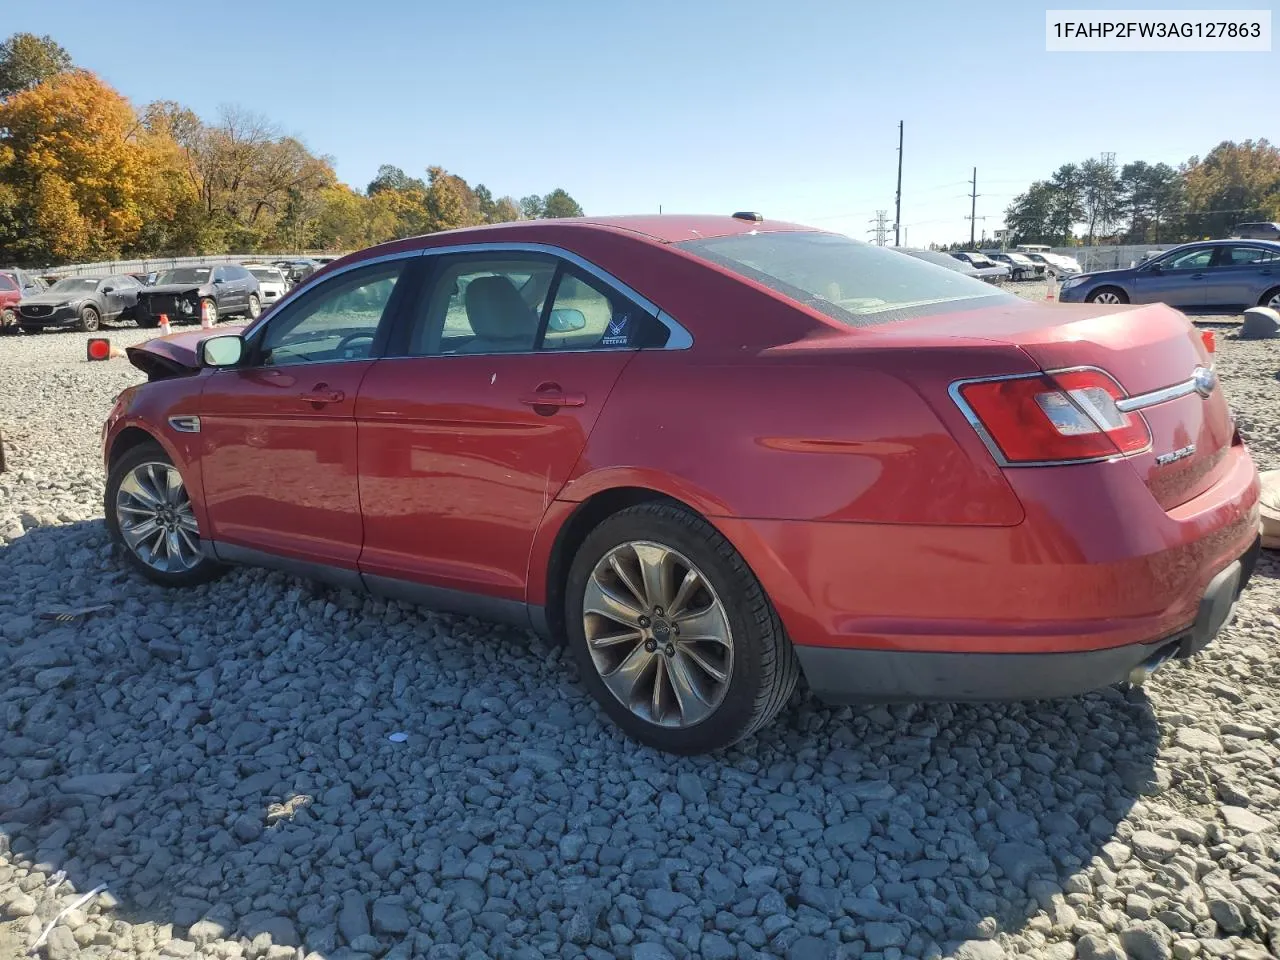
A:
(765, 668)
(214, 313)
(254, 309)
(90, 320)
(147, 321)
(1266, 298)
(203, 572)
(1121, 296)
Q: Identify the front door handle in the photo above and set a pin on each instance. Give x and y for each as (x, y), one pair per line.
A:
(320, 394)
(550, 395)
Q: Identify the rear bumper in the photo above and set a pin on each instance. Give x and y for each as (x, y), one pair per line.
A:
(842, 675)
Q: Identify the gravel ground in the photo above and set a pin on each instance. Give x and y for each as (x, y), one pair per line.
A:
(220, 760)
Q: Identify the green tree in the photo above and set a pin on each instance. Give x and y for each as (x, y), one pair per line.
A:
(1067, 185)
(393, 178)
(1030, 215)
(531, 207)
(27, 60)
(1234, 182)
(1099, 197)
(557, 203)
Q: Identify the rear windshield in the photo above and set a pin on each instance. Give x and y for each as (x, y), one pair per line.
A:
(270, 274)
(184, 275)
(854, 282)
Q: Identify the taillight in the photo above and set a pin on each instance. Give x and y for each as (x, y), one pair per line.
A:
(1055, 417)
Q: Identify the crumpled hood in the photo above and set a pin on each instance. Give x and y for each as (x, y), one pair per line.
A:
(174, 355)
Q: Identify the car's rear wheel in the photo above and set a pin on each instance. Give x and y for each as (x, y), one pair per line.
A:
(673, 634)
(1107, 295)
(1271, 299)
(8, 320)
(255, 306)
(89, 320)
(149, 516)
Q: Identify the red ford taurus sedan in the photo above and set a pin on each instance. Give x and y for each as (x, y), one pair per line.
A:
(714, 453)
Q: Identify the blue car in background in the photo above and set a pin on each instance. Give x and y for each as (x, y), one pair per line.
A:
(1208, 276)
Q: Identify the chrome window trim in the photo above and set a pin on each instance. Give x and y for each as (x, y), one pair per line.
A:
(994, 448)
(679, 339)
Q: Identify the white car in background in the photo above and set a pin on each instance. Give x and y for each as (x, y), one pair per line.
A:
(271, 281)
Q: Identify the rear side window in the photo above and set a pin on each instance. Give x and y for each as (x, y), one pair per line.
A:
(588, 316)
(6, 283)
(856, 283)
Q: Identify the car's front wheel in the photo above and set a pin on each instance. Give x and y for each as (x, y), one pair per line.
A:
(149, 516)
(89, 319)
(1108, 295)
(1271, 299)
(673, 634)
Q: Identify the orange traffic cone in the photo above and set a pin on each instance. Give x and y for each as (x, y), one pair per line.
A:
(165, 330)
(1051, 291)
(206, 321)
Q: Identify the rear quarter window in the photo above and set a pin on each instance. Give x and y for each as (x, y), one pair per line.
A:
(856, 283)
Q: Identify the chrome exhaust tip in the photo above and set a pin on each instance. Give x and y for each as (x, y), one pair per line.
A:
(1143, 671)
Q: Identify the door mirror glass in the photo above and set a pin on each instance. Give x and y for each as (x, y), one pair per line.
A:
(108, 289)
(566, 321)
(223, 351)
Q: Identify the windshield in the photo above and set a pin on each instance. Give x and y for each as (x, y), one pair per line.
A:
(184, 275)
(270, 274)
(854, 282)
(74, 285)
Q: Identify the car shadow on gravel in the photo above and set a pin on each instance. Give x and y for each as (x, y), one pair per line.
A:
(222, 760)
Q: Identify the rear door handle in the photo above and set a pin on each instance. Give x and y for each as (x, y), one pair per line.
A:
(320, 394)
(554, 398)
(1197, 276)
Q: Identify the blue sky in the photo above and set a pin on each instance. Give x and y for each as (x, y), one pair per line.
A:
(700, 106)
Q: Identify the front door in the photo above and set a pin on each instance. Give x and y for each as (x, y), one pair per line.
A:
(465, 441)
(1179, 278)
(279, 432)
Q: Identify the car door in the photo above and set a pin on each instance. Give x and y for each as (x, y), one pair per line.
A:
(1240, 274)
(1179, 278)
(468, 435)
(109, 290)
(278, 432)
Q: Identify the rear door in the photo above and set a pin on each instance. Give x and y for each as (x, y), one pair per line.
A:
(279, 433)
(1240, 274)
(1179, 278)
(467, 437)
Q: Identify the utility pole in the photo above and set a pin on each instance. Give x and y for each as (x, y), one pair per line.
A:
(973, 208)
(880, 226)
(897, 203)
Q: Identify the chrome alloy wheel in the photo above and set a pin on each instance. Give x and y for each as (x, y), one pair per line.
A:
(155, 518)
(1107, 296)
(657, 633)
(1274, 302)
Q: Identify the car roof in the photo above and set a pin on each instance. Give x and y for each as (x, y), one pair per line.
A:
(658, 228)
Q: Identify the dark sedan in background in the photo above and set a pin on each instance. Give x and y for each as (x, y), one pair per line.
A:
(82, 303)
(1209, 276)
(182, 294)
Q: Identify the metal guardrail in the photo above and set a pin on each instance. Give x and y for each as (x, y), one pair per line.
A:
(109, 267)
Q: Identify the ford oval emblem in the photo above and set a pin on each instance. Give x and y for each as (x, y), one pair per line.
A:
(1205, 380)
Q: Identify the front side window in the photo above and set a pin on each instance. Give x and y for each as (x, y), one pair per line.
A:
(856, 283)
(336, 321)
(1195, 259)
(483, 304)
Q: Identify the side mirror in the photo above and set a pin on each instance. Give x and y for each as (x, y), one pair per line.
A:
(219, 280)
(108, 289)
(224, 351)
(566, 321)
(1155, 268)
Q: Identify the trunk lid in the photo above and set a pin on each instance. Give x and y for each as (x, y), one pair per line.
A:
(1146, 349)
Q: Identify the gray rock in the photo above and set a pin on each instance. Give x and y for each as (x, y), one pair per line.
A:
(715, 946)
(98, 784)
(1020, 862)
(1246, 821)
(980, 950)
(811, 948)
(1153, 846)
(1227, 915)
(281, 930)
(648, 950)
(390, 918)
(1147, 941)
(1096, 946)
(880, 936)
(55, 677)
(166, 650)
(61, 945)
(665, 903)
(20, 905)
(690, 787)
(14, 794)
(1201, 741)
(353, 917)
(247, 829)
(852, 832)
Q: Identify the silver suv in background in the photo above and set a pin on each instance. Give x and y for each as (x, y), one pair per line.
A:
(1256, 231)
